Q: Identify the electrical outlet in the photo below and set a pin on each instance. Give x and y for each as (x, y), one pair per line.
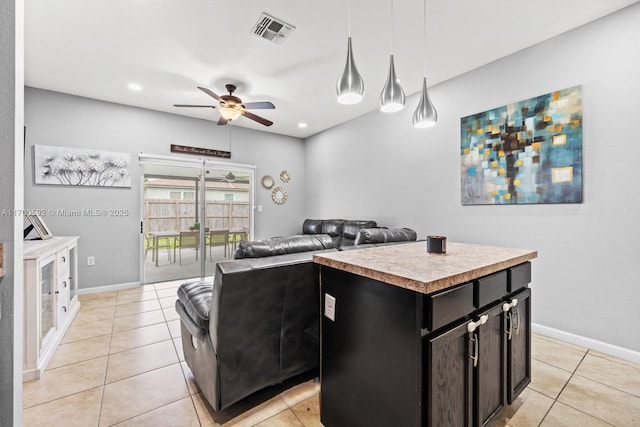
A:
(91, 260)
(330, 307)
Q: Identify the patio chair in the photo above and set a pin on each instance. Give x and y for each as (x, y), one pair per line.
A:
(150, 245)
(237, 236)
(218, 238)
(188, 240)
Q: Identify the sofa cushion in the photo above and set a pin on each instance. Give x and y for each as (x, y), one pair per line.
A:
(195, 297)
(383, 235)
(351, 227)
(284, 245)
(312, 226)
(333, 227)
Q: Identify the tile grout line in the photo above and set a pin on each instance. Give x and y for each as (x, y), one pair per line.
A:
(573, 373)
(562, 389)
(191, 396)
(106, 366)
(605, 384)
(109, 355)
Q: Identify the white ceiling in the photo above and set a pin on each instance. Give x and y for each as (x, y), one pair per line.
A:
(95, 48)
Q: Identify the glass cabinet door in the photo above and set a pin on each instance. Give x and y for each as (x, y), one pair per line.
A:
(46, 299)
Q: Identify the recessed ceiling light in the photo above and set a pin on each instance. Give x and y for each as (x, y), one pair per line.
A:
(302, 125)
(134, 86)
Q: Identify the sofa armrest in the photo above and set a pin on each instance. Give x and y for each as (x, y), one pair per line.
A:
(284, 245)
(383, 235)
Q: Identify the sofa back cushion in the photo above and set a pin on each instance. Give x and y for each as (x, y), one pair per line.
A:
(333, 227)
(343, 232)
(351, 228)
(284, 245)
(312, 226)
(384, 235)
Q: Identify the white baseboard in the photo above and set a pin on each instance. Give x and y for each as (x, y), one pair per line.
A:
(603, 347)
(108, 288)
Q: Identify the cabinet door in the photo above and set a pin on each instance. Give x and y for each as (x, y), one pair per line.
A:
(62, 303)
(447, 378)
(518, 326)
(73, 272)
(489, 374)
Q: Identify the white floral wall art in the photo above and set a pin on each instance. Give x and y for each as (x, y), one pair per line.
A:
(81, 167)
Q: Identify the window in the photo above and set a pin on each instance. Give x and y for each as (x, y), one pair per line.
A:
(228, 197)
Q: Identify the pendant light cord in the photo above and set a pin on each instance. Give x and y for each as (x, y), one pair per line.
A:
(349, 17)
(424, 37)
(392, 27)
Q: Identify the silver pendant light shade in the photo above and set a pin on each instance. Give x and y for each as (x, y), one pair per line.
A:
(350, 86)
(425, 115)
(392, 97)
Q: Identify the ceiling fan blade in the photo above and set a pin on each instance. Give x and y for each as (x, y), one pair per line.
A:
(265, 105)
(210, 93)
(189, 105)
(256, 118)
(222, 121)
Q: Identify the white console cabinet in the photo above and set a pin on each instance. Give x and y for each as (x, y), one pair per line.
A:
(50, 299)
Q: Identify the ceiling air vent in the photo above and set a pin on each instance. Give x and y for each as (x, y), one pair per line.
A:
(271, 28)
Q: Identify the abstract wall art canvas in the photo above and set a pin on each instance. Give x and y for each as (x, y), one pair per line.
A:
(81, 167)
(527, 152)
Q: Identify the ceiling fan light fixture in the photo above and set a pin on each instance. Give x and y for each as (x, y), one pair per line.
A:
(229, 113)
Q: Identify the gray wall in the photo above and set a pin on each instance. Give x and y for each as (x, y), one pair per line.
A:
(11, 104)
(586, 279)
(59, 119)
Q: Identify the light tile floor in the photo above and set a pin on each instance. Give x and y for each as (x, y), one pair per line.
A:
(121, 364)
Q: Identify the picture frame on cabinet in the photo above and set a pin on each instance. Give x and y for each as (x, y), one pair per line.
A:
(39, 226)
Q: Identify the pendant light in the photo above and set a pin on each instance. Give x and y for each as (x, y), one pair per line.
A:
(392, 96)
(350, 86)
(425, 115)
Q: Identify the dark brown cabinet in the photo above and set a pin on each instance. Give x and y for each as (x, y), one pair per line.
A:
(452, 358)
(447, 376)
(465, 371)
(518, 333)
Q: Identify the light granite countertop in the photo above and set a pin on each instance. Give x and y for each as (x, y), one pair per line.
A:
(409, 265)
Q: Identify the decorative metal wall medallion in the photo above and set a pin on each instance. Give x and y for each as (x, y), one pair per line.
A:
(279, 195)
(267, 182)
(285, 176)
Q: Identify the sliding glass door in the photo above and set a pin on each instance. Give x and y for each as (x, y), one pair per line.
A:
(194, 215)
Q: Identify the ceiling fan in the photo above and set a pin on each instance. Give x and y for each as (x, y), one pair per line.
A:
(231, 107)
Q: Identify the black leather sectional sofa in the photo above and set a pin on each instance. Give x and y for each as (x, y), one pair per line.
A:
(257, 324)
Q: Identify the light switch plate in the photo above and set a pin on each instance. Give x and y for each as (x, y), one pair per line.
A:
(330, 307)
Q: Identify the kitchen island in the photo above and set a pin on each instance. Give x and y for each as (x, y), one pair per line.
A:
(416, 339)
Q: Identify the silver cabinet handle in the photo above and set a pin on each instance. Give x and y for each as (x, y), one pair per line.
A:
(509, 330)
(517, 313)
(474, 340)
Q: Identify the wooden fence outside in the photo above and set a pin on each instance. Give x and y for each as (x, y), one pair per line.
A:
(176, 215)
